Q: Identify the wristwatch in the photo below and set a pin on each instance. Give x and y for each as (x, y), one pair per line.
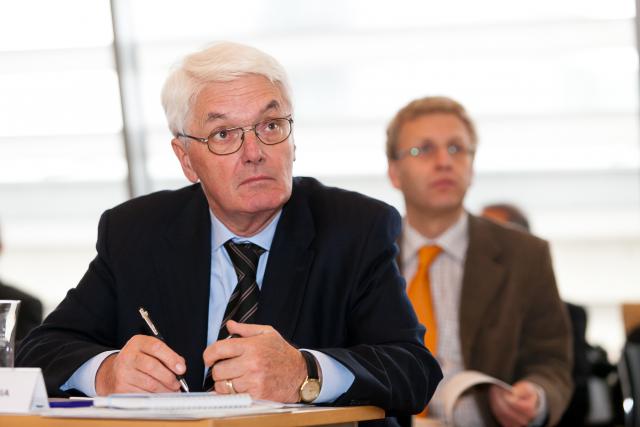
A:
(310, 388)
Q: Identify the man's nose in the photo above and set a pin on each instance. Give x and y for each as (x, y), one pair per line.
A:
(252, 147)
(442, 156)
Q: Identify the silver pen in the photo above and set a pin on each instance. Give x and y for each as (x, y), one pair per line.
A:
(156, 333)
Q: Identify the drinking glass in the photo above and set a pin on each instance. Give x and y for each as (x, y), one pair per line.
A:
(8, 320)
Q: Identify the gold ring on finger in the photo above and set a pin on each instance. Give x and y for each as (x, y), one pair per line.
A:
(229, 385)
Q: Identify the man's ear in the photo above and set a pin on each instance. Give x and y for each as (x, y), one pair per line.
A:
(392, 172)
(185, 161)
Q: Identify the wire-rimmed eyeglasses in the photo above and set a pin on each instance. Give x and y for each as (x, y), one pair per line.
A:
(227, 141)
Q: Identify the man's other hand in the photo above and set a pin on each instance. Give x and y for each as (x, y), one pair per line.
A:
(517, 407)
(145, 364)
(259, 362)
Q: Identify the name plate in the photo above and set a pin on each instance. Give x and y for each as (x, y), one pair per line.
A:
(22, 390)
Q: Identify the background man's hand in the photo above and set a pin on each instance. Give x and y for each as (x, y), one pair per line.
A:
(260, 362)
(515, 408)
(145, 364)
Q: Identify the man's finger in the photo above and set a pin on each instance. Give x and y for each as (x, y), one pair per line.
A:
(129, 388)
(151, 366)
(247, 329)
(525, 398)
(145, 382)
(506, 414)
(156, 348)
(520, 415)
(223, 349)
(524, 407)
(524, 389)
(228, 368)
(222, 387)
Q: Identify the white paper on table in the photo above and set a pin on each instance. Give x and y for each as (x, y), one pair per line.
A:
(170, 401)
(262, 407)
(457, 385)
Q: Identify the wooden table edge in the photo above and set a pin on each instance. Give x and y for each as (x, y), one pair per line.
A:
(303, 416)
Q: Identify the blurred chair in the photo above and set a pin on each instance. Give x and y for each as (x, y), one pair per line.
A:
(629, 372)
(579, 407)
(630, 317)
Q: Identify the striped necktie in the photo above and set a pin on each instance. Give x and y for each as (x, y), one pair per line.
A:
(243, 303)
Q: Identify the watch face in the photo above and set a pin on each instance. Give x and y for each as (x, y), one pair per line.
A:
(310, 390)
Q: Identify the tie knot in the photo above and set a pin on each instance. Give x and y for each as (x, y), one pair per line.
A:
(427, 254)
(244, 255)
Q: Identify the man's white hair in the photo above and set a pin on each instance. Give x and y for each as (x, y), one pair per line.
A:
(220, 62)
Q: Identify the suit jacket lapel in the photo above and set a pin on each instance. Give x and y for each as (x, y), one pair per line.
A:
(183, 263)
(483, 277)
(287, 271)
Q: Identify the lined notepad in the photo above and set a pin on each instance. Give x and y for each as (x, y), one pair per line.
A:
(173, 401)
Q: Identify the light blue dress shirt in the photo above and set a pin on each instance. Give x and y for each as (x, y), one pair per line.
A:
(336, 378)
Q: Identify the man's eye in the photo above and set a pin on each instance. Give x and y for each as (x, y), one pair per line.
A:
(272, 126)
(455, 148)
(220, 135)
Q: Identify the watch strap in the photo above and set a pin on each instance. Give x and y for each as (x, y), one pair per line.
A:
(312, 367)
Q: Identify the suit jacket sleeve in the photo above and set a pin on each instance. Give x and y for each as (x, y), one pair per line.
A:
(392, 368)
(81, 327)
(546, 352)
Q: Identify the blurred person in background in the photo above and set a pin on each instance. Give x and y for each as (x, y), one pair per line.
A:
(506, 214)
(486, 293)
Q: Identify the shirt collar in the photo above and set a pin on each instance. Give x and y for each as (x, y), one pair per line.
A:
(220, 233)
(454, 241)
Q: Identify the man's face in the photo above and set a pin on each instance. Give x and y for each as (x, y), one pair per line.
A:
(257, 178)
(435, 181)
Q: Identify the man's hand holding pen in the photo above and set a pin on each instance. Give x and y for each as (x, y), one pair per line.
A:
(144, 364)
(256, 360)
(259, 362)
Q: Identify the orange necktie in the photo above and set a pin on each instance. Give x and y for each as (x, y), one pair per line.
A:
(420, 296)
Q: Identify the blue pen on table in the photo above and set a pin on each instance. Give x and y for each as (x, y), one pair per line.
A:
(156, 333)
(68, 403)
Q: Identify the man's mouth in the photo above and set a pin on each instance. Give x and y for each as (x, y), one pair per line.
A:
(255, 179)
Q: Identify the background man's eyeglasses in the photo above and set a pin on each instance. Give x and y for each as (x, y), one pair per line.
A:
(429, 150)
(227, 141)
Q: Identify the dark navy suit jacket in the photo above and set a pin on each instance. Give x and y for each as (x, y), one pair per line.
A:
(331, 284)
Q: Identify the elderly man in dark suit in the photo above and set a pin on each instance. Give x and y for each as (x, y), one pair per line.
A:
(299, 277)
(486, 293)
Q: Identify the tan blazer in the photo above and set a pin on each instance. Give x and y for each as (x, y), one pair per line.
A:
(513, 324)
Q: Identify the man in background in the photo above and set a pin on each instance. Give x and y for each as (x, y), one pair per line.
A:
(30, 311)
(261, 283)
(486, 293)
